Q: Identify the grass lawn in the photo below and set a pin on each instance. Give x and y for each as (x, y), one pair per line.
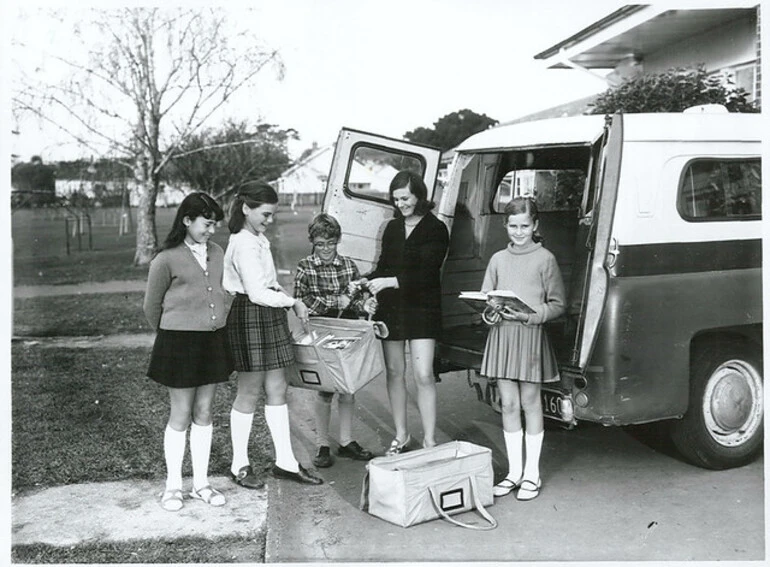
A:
(77, 315)
(89, 415)
(40, 255)
(183, 550)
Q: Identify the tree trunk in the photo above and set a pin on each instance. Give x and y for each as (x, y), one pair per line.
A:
(146, 234)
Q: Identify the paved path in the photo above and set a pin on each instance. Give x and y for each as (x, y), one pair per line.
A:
(116, 286)
(130, 510)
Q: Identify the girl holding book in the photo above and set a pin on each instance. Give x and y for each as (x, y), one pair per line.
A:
(518, 355)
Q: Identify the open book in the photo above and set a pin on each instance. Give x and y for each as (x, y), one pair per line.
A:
(478, 300)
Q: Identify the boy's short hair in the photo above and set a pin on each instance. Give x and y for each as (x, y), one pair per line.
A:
(325, 226)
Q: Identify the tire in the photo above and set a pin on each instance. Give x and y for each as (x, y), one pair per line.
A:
(723, 427)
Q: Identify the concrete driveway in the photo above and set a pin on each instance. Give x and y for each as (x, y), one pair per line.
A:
(607, 496)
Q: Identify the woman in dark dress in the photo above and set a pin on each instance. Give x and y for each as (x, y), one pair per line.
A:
(407, 284)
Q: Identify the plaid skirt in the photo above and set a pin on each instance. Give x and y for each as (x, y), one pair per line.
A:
(259, 336)
(188, 359)
(515, 351)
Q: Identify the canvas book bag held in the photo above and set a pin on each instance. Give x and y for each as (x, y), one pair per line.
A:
(337, 355)
(427, 484)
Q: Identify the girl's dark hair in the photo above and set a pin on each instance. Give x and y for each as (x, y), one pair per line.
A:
(325, 226)
(414, 182)
(524, 205)
(193, 206)
(252, 194)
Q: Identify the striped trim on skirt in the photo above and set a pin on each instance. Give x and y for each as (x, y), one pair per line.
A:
(259, 336)
(515, 351)
(188, 359)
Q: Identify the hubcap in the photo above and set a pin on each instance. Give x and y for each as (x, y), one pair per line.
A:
(732, 404)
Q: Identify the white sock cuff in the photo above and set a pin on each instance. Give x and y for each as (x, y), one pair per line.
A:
(171, 431)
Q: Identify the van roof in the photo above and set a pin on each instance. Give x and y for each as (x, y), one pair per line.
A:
(583, 130)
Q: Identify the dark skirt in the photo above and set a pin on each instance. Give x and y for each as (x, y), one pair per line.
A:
(259, 336)
(188, 359)
(407, 321)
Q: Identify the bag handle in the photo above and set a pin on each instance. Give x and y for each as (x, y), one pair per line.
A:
(479, 506)
(363, 503)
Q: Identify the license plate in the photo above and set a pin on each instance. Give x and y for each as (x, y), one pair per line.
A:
(552, 404)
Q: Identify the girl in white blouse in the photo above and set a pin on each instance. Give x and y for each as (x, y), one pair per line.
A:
(258, 331)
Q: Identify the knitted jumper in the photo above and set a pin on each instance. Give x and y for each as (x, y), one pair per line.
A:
(180, 295)
(533, 274)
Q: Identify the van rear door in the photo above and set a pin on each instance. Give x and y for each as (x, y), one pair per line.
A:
(357, 191)
(599, 262)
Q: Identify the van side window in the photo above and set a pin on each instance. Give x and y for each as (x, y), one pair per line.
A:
(721, 189)
(372, 169)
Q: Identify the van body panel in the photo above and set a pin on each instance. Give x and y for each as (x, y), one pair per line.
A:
(644, 344)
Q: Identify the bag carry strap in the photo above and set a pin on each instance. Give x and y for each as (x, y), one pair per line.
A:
(479, 506)
(363, 503)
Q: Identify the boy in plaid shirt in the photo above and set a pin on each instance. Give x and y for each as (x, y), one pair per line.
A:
(326, 281)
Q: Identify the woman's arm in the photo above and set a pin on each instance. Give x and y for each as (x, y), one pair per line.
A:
(158, 282)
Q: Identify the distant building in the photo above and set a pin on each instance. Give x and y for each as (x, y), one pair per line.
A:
(304, 183)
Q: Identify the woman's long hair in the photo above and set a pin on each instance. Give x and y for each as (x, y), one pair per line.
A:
(414, 182)
(193, 206)
(252, 194)
(524, 205)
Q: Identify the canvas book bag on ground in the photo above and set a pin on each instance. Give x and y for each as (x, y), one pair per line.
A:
(432, 483)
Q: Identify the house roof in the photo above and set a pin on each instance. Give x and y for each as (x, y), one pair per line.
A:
(308, 160)
(636, 30)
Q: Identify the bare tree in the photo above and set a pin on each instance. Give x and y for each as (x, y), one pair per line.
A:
(144, 81)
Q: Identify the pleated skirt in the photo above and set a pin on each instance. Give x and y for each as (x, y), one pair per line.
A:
(515, 351)
(259, 336)
(188, 359)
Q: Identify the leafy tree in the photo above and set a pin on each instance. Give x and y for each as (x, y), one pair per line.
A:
(672, 91)
(34, 182)
(136, 83)
(217, 160)
(450, 130)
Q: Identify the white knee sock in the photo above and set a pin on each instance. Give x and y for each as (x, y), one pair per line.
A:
(240, 431)
(345, 403)
(513, 446)
(200, 451)
(173, 449)
(533, 445)
(277, 418)
(323, 411)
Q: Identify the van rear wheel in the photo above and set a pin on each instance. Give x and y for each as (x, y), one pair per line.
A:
(723, 425)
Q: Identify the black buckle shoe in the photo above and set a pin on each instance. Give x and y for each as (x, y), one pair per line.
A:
(324, 458)
(354, 451)
(302, 476)
(246, 478)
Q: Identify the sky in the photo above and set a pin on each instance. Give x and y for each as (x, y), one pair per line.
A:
(383, 67)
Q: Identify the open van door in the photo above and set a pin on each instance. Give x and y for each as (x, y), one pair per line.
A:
(357, 190)
(601, 260)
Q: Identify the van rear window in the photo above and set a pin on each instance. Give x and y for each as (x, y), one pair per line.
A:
(721, 189)
(372, 169)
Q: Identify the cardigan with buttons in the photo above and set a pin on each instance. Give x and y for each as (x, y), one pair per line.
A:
(182, 296)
